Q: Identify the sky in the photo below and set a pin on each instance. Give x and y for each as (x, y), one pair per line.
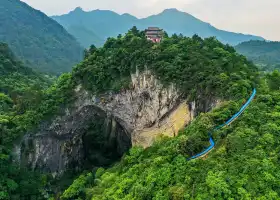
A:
(256, 17)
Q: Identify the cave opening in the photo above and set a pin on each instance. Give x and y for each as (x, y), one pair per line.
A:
(78, 142)
(104, 142)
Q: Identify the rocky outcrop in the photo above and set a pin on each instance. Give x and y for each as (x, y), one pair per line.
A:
(124, 117)
(60, 145)
(169, 126)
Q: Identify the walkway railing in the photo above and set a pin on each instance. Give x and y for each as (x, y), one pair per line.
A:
(227, 123)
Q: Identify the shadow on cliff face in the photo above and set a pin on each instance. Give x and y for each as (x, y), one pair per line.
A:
(79, 139)
(104, 143)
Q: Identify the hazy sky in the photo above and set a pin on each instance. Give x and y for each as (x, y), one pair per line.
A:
(258, 17)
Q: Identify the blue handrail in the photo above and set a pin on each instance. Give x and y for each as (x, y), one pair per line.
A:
(242, 108)
(212, 144)
(228, 122)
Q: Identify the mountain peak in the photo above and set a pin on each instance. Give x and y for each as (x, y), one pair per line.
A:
(171, 10)
(171, 20)
(175, 12)
(78, 9)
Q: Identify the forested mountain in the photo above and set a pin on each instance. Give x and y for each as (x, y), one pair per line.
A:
(17, 81)
(85, 35)
(264, 53)
(104, 24)
(36, 39)
(243, 165)
(205, 59)
(21, 89)
(27, 98)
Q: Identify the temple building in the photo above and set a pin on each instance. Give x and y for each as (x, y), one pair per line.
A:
(154, 34)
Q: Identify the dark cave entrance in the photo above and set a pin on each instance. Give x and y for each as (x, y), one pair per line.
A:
(104, 142)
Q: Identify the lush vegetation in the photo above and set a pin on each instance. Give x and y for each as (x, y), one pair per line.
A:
(196, 66)
(171, 20)
(20, 88)
(26, 98)
(244, 164)
(36, 39)
(85, 36)
(262, 53)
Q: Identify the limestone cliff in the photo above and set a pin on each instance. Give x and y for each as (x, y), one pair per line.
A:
(132, 117)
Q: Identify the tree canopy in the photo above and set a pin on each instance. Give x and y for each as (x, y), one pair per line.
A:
(40, 42)
(265, 54)
(195, 65)
(243, 165)
(26, 99)
(21, 89)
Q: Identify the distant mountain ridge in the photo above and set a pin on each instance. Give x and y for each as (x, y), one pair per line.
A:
(36, 39)
(263, 53)
(105, 23)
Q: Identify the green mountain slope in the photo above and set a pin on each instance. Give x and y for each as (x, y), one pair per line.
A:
(36, 39)
(193, 64)
(243, 165)
(263, 53)
(245, 162)
(17, 80)
(84, 35)
(103, 24)
(174, 21)
(21, 89)
(109, 24)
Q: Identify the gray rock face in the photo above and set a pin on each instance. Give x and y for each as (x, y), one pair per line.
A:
(59, 145)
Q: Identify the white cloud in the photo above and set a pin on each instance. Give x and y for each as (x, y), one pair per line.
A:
(258, 17)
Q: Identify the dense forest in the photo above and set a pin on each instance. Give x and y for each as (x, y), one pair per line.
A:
(20, 90)
(39, 41)
(26, 98)
(196, 66)
(244, 165)
(265, 54)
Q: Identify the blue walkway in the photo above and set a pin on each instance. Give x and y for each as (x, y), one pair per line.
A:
(228, 122)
